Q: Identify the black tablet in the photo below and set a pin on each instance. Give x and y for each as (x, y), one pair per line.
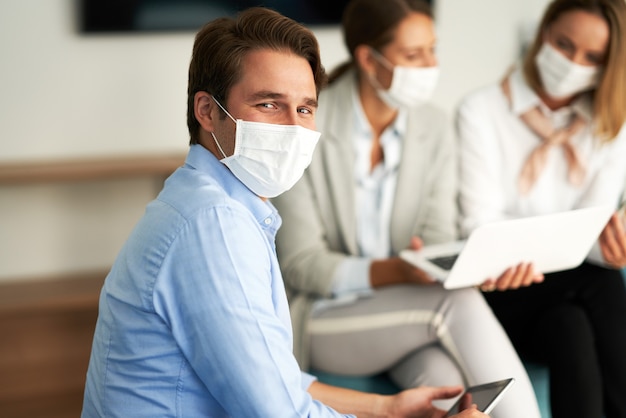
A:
(485, 396)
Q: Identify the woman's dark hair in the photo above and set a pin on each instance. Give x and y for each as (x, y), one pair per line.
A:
(373, 23)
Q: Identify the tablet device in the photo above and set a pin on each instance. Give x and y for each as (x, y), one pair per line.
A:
(485, 396)
(553, 242)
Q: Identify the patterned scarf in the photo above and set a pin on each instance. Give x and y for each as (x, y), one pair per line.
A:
(536, 161)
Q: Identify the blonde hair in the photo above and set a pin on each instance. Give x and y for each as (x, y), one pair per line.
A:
(609, 97)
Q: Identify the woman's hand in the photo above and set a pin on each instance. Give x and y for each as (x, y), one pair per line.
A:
(395, 270)
(613, 242)
(522, 275)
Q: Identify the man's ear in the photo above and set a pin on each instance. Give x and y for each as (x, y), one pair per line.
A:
(205, 110)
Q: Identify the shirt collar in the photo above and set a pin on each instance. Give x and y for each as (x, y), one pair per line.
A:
(202, 160)
(391, 137)
(362, 124)
(524, 98)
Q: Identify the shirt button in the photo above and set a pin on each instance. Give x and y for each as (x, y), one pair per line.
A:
(268, 221)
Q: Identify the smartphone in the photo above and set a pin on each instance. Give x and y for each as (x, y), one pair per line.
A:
(485, 396)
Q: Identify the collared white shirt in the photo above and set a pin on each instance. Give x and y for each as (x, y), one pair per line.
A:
(494, 143)
(375, 191)
(375, 187)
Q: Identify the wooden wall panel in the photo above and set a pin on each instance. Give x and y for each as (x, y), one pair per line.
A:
(46, 330)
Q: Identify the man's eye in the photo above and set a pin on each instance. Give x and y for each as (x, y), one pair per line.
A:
(267, 106)
(305, 110)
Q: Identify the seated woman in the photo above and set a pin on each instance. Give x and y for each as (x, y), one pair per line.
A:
(550, 138)
(382, 179)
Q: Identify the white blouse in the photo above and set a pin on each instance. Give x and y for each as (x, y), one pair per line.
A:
(494, 143)
(374, 200)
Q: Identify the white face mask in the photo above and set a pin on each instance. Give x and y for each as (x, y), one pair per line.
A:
(268, 158)
(410, 86)
(561, 77)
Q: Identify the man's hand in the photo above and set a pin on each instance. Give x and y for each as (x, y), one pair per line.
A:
(410, 403)
(417, 403)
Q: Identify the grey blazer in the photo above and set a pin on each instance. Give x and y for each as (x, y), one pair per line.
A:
(319, 228)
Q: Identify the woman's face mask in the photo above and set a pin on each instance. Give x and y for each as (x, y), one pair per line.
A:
(562, 78)
(269, 158)
(410, 86)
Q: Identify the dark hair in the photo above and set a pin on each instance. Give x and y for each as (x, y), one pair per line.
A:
(373, 23)
(609, 99)
(222, 44)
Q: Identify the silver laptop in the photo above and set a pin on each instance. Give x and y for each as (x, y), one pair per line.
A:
(553, 242)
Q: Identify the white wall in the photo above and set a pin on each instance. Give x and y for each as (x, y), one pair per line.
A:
(478, 41)
(64, 95)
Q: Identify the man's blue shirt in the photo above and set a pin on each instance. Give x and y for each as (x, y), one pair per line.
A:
(193, 318)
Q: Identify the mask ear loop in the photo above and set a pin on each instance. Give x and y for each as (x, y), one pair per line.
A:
(218, 145)
(212, 134)
(382, 60)
(385, 63)
(222, 107)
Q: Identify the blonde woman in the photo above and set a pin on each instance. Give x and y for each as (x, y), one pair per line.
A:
(549, 137)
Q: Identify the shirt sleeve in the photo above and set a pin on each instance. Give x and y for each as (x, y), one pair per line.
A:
(352, 275)
(607, 185)
(216, 292)
(307, 380)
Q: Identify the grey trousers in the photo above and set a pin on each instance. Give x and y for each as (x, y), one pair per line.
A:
(422, 335)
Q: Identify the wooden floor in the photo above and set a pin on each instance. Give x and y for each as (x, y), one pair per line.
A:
(47, 329)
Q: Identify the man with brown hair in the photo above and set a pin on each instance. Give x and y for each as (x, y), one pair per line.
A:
(193, 317)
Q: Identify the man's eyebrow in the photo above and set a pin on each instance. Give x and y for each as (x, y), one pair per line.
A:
(261, 95)
(265, 94)
(311, 102)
